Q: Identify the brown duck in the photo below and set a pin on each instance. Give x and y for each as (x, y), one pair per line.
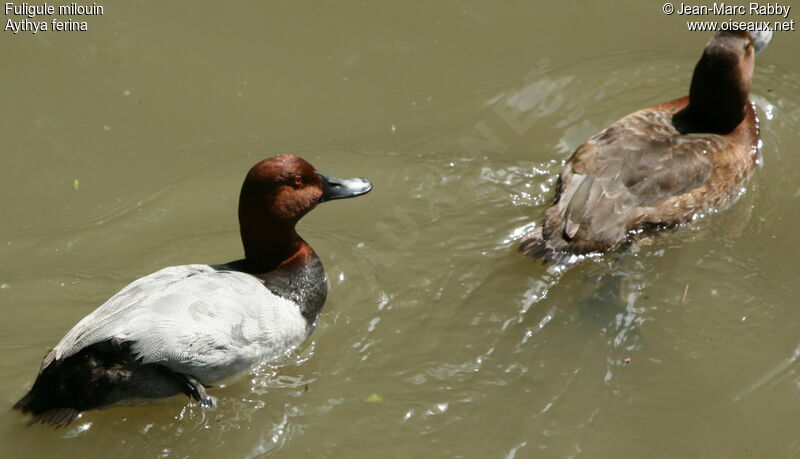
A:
(660, 166)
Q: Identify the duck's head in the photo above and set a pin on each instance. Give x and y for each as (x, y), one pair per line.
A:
(721, 80)
(736, 50)
(276, 193)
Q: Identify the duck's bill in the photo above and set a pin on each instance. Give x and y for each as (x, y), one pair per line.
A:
(336, 188)
(760, 39)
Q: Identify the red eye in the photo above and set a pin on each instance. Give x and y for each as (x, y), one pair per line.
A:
(298, 181)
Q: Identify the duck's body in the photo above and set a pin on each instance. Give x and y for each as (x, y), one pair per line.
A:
(642, 174)
(186, 327)
(657, 167)
(206, 321)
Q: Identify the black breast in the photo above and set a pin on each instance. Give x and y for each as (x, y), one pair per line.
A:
(305, 285)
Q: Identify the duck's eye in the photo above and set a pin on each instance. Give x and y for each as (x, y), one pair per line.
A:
(297, 181)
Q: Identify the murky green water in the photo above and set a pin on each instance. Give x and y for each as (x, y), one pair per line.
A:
(124, 148)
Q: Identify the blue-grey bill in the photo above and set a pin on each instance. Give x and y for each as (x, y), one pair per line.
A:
(336, 188)
(760, 39)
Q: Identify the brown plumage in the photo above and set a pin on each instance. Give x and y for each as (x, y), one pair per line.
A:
(660, 166)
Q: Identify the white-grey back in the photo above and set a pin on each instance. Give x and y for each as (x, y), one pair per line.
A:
(194, 319)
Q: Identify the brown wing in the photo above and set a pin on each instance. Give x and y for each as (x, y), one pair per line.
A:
(637, 162)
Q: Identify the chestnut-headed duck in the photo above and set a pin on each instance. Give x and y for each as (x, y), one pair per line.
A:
(183, 328)
(660, 166)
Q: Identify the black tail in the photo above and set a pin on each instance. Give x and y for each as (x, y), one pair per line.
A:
(534, 245)
(57, 417)
(67, 387)
(95, 377)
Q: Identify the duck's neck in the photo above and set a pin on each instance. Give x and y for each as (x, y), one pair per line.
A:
(286, 265)
(717, 97)
(272, 246)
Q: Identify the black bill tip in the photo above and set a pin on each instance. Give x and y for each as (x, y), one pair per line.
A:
(336, 188)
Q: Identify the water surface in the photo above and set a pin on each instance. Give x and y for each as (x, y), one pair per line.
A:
(124, 150)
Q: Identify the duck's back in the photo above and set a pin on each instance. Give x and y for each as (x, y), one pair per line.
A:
(638, 173)
(193, 319)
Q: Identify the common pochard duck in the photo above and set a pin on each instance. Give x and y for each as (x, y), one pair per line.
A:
(183, 328)
(660, 166)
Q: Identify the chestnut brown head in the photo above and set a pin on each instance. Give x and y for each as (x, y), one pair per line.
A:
(279, 191)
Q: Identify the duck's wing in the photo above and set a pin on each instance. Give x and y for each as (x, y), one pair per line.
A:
(192, 319)
(93, 328)
(637, 162)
